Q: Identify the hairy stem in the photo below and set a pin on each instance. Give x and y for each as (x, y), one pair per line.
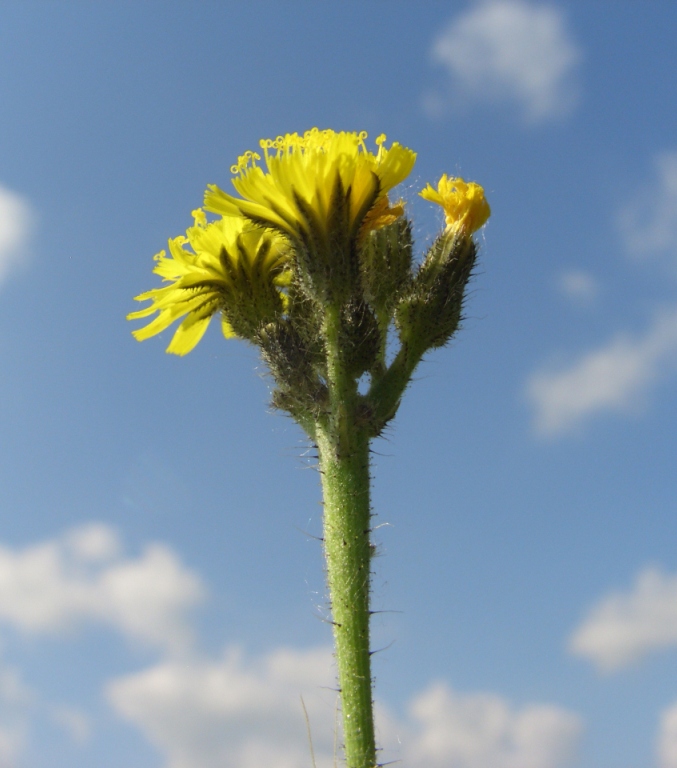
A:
(386, 390)
(344, 464)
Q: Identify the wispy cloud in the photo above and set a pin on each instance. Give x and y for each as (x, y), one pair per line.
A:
(83, 577)
(666, 746)
(75, 722)
(16, 701)
(626, 626)
(615, 377)
(578, 286)
(511, 51)
(649, 221)
(15, 224)
(11, 745)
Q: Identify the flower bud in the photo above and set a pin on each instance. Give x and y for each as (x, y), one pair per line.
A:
(385, 265)
(465, 207)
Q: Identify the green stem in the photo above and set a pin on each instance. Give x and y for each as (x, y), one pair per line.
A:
(386, 390)
(345, 485)
(344, 464)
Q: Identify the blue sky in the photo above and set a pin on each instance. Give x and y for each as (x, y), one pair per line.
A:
(161, 593)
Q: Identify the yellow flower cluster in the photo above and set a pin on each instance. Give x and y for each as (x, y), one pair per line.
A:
(239, 264)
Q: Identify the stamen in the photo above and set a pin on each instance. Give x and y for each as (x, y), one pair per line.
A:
(361, 136)
(199, 216)
(380, 141)
(265, 145)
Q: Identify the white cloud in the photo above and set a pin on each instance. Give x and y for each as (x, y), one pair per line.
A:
(625, 626)
(667, 738)
(82, 577)
(649, 222)
(615, 377)
(234, 713)
(510, 50)
(15, 223)
(476, 730)
(577, 286)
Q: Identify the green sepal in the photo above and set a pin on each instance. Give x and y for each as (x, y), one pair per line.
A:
(306, 316)
(359, 338)
(430, 313)
(326, 256)
(250, 296)
(385, 265)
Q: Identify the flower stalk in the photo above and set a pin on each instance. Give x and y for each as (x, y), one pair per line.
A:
(314, 265)
(347, 512)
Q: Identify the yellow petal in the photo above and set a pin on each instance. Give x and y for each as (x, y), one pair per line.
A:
(188, 334)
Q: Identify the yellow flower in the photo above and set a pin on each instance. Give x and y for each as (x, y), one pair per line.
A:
(305, 174)
(233, 268)
(465, 207)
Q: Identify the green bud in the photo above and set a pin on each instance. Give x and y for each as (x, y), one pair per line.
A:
(385, 265)
(292, 368)
(431, 312)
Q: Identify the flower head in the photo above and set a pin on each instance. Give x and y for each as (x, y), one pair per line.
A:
(233, 268)
(306, 178)
(465, 207)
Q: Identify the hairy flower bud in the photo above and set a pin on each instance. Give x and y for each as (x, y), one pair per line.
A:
(431, 312)
(385, 265)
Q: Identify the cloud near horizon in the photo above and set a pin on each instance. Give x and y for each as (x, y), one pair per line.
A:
(508, 51)
(475, 730)
(233, 710)
(236, 712)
